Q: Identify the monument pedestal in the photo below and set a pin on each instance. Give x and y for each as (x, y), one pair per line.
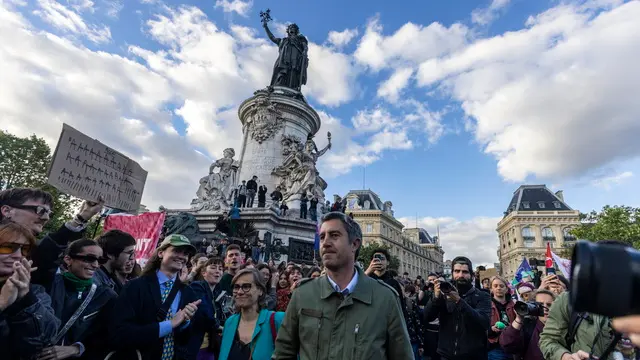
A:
(295, 236)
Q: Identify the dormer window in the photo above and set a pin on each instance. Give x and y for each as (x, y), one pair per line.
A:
(541, 204)
(556, 204)
(525, 204)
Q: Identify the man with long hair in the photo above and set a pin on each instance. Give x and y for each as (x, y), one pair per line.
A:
(153, 313)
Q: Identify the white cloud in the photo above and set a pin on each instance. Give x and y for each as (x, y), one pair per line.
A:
(555, 99)
(332, 76)
(113, 7)
(608, 182)
(476, 238)
(81, 5)
(238, 6)
(373, 120)
(342, 38)
(429, 121)
(69, 21)
(390, 89)
(411, 44)
(487, 15)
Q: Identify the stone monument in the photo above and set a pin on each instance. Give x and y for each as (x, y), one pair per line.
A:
(278, 147)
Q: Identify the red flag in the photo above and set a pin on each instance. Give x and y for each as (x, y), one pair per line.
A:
(548, 261)
(145, 228)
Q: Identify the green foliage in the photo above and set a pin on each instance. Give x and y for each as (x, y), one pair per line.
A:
(620, 223)
(366, 254)
(24, 162)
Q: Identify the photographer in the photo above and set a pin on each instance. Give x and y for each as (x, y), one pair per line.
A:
(572, 335)
(464, 314)
(522, 336)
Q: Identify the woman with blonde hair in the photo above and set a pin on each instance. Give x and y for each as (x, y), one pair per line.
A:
(251, 332)
(502, 314)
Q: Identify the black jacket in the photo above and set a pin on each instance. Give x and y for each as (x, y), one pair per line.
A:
(46, 256)
(27, 326)
(211, 316)
(134, 324)
(91, 327)
(463, 326)
(252, 185)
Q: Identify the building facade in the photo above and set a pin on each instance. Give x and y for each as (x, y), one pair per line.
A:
(379, 226)
(534, 218)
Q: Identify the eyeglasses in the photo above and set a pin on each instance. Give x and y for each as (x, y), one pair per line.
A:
(245, 287)
(89, 259)
(10, 248)
(37, 209)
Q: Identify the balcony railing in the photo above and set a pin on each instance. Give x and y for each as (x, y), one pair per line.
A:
(549, 238)
(528, 238)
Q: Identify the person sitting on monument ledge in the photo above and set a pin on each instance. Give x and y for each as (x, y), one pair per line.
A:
(283, 209)
(252, 188)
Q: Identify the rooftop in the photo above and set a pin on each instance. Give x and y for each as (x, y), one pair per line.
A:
(536, 198)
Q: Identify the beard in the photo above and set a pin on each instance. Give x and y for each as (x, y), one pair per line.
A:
(463, 285)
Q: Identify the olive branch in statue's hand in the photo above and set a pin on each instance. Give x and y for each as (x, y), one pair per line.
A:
(265, 16)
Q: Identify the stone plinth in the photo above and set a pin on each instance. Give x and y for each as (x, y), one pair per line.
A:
(296, 235)
(266, 118)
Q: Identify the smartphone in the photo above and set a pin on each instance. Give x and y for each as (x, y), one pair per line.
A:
(551, 271)
(377, 257)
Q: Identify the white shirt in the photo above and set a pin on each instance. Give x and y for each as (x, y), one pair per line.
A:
(351, 286)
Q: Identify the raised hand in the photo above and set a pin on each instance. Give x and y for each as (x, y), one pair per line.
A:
(8, 295)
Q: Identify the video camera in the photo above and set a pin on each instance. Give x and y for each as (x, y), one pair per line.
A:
(531, 308)
(605, 279)
(445, 286)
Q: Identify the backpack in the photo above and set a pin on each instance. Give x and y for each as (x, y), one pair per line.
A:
(574, 322)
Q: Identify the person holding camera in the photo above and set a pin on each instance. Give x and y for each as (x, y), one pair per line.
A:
(378, 270)
(464, 313)
(522, 336)
(502, 313)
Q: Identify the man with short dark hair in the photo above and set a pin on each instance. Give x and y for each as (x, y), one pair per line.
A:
(252, 188)
(232, 261)
(343, 314)
(119, 250)
(242, 194)
(464, 313)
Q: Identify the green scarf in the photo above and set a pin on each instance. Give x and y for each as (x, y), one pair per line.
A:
(79, 284)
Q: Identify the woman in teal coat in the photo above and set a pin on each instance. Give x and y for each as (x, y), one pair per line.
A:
(251, 333)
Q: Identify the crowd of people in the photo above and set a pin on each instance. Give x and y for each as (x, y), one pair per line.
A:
(68, 296)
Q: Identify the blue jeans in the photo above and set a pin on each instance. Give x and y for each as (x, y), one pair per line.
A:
(498, 354)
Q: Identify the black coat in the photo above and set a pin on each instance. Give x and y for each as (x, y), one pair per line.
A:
(463, 326)
(91, 327)
(134, 324)
(210, 315)
(252, 185)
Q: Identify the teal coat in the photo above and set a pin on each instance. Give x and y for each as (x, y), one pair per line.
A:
(262, 339)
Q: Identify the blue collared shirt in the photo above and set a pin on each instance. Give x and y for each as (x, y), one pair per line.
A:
(351, 286)
(165, 326)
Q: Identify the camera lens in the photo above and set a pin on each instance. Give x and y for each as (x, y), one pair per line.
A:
(605, 279)
(528, 309)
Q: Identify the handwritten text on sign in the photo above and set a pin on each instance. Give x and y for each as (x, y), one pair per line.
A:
(86, 168)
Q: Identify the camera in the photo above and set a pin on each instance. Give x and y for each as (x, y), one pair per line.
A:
(531, 308)
(446, 287)
(605, 279)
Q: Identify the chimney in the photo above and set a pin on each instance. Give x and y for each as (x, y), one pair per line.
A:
(560, 195)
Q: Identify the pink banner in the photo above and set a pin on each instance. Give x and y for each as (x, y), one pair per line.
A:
(145, 228)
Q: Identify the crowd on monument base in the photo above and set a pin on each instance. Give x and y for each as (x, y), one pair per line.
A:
(83, 298)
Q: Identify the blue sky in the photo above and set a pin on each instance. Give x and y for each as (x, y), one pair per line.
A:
(450, 105)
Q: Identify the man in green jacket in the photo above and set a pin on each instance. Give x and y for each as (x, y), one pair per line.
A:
(343, 315)
(592, 337)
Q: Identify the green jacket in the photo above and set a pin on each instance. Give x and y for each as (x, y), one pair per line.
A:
(552, 339)
(366, 325)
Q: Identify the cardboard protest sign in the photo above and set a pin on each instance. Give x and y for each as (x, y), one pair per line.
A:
(86, 168)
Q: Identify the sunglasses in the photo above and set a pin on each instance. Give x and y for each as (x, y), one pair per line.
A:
(37, 209)
(89, 259)
(245, 287)
(10, 248)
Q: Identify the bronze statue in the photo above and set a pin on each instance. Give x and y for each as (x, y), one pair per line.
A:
(290, 69)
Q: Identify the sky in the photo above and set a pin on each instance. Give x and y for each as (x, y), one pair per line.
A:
(442, 107)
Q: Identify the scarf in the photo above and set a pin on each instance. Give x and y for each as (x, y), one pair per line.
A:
(79, 284)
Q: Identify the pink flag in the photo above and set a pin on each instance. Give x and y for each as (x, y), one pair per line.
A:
(145, 228)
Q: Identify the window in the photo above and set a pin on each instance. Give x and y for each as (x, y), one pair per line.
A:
(369, 228)
(567, 235)
(528, 237)
(541, 204)
(547, 234)
(525, 204)
(556, 204)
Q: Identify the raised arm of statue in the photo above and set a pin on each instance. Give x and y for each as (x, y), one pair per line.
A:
(270, 34)
(321, 152)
